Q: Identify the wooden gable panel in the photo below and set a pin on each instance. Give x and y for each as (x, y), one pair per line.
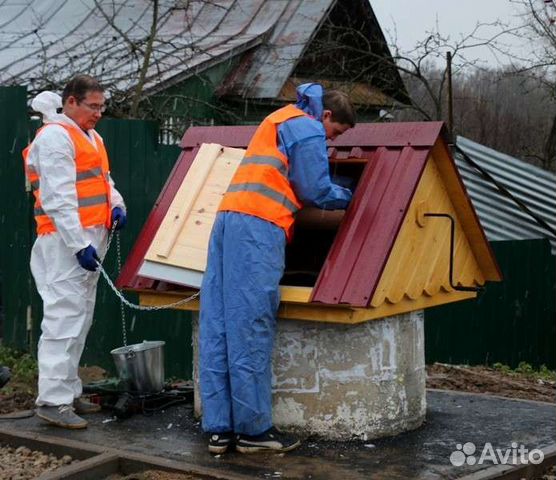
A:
(467, 215)
(182, 239)
(419, 264)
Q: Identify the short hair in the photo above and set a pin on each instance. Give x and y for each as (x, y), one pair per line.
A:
(340, 106)
(79, 86)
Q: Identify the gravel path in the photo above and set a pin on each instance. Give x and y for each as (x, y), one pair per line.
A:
(22, 463)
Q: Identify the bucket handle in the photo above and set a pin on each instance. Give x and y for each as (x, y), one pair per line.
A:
(130, 354)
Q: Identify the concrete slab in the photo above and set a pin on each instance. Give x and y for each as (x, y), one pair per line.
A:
(452, 419)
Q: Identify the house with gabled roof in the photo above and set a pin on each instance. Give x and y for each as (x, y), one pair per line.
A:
(210, 62)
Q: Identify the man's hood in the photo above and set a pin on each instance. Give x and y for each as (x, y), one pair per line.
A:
(309, 99)
(47, 103)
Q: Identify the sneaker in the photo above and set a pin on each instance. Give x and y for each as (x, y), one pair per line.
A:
(271, 440)
(83, 406)
(62, 416)
(219, 442)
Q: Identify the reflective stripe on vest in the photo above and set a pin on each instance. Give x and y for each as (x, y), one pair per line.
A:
(260, 186)
(266, 191)
(271, 161)
(82, 202)
(91, 182)
(84, 175)
(92, 173)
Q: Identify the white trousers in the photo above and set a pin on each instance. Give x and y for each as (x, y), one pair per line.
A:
(68, 292)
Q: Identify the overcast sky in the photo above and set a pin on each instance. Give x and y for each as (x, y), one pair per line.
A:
(409, 20)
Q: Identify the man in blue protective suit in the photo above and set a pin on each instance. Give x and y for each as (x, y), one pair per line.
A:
(285, 168)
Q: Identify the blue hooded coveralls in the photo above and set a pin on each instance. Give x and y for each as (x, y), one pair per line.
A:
(240, 290)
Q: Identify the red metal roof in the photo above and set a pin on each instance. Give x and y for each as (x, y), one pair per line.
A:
(396, 154)
(363, 243)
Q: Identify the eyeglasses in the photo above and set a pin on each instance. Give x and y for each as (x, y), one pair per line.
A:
(95, 107)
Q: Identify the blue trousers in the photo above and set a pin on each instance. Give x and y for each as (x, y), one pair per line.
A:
(239, 300)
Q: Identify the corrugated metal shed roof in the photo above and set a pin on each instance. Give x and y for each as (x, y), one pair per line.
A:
(44, 42)
(500, 217)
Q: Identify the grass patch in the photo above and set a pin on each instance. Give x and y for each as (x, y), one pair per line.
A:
(524, 369)
(24, 371)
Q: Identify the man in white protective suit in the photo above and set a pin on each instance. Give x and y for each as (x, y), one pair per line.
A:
(75, 206)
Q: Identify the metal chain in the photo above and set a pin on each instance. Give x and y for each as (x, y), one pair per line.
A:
(119, 294)
(119, 259)
(143, 307)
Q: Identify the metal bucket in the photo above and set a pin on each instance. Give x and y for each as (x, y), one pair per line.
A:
(141, 366)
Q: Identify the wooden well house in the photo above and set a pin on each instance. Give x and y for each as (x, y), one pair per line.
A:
(349, 351)
(409, 240)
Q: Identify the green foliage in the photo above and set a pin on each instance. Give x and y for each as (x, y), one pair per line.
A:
(525, 369)
(502, 368)
(23, 367)
(546, 374)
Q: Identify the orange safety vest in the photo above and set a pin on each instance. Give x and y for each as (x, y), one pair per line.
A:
(91, 182)
(260, 186)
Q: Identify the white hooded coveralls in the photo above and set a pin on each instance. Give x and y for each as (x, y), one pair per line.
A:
(68, 291)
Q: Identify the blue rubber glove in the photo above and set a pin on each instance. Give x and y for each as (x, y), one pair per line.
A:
(88, 258)
(119, 216)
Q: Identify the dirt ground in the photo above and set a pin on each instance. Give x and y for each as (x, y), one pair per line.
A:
(16, 401)
(479, 379)
(550, 474)
(17, 395)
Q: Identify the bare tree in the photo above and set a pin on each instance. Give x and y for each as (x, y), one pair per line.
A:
(500, 108)
(134, 53)
(503, 107)
(539, 29)
(506, 111)
(146, 53)
(354, 49)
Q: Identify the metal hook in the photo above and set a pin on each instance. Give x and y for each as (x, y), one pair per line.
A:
(459, 288)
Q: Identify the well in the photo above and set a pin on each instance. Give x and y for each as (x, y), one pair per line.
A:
(346, 381)
(349, 352)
